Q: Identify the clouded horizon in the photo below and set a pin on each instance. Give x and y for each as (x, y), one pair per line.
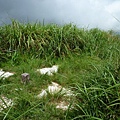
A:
(103, 14)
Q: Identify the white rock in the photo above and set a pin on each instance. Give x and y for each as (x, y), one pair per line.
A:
(54, 68)
(42, 94)
(5, 102)
(49, 71)
(62, 105)
(55, 88)
(4, 74)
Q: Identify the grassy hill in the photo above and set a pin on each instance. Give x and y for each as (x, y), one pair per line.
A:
(89, 65)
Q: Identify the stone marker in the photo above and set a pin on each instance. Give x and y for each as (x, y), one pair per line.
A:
(25, 78)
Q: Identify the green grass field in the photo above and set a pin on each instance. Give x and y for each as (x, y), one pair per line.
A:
(89, 65)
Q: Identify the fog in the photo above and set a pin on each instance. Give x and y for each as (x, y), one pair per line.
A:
(103, 14)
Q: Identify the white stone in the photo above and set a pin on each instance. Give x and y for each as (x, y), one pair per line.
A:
(55, 88)
(62, 105)
(42, 94)
(4, 74)
(5, 103)
(49, 71)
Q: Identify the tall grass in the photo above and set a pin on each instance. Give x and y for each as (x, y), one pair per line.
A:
(89, 64)
(39, 40)
(99, 98)
(52, 40)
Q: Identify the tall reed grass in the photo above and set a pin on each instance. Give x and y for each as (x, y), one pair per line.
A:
(90, 63)
(99, 98)
(53, 40)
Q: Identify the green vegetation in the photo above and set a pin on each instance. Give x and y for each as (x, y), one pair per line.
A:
(89, 64)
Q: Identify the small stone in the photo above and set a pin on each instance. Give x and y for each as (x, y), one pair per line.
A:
(25, 78)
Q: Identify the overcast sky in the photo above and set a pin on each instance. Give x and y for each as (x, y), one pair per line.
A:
(84, 13)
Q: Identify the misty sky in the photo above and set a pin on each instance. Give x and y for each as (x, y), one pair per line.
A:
(84, 13)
